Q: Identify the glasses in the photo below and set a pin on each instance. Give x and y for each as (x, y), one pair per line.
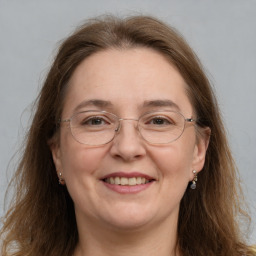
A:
(100, 127)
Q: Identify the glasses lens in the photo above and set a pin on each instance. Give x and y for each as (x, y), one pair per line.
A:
(93, 127)
(162, 127)
(99, 127)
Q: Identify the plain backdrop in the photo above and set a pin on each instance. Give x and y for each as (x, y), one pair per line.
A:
(222, 33)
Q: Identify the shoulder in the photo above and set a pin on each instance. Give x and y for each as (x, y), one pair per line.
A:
(253, 250)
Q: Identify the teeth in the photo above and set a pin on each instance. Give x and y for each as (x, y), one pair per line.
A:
(117, 181)
(127, 181)
(124, 181)
(132, 181)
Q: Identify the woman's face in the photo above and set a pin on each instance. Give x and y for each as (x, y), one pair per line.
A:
(127, 83)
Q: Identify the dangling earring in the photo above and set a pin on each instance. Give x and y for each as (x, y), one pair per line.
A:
(193, 184)
(61, 180)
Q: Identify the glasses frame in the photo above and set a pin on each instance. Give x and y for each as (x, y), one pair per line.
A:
(69, 120)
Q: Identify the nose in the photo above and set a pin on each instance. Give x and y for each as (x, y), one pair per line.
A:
(128, 145)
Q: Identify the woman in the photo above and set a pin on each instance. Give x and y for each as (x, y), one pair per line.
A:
(127, 153)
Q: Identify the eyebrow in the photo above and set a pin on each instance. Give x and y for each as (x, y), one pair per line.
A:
(94, 102)
(106, 104)
(161, 103)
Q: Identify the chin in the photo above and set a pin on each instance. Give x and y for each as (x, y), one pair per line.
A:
(128, 224)
(130, 218)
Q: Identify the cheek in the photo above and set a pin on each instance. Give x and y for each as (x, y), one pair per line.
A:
(80, 166)
(174, 162)
(78, 161)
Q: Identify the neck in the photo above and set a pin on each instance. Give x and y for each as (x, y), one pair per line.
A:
(160, 239)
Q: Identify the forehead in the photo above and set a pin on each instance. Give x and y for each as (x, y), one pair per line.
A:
(126, 79)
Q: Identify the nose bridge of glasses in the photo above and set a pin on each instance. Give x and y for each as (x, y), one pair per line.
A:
(125, 119)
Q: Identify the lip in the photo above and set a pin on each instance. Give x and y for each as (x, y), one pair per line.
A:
(128, 175)
(125, 189)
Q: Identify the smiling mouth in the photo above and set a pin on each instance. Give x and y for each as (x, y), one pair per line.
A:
(124, 181)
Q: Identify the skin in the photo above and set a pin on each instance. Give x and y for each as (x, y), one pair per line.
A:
(144, 223)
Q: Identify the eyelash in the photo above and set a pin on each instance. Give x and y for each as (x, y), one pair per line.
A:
(89, 120)
(166, 121)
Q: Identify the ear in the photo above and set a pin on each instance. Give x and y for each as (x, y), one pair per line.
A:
(202, 142)
(56, 156)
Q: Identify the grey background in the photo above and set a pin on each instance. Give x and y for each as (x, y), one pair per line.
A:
(222, 32)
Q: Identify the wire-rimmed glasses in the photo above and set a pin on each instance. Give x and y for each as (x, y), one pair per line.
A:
(96, 128)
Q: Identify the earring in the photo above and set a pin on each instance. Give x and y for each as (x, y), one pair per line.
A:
(61, 180)
(193, 184)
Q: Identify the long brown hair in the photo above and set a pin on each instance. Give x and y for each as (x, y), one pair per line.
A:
(41, 220)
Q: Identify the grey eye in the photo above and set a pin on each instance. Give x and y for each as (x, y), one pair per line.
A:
(94, 121)
(160, 121)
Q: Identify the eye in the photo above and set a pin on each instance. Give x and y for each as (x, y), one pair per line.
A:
(159, 121)
(95, 121)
